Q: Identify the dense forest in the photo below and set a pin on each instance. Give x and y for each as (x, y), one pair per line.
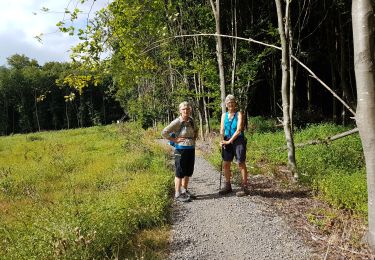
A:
(35, 98)
(150, 70)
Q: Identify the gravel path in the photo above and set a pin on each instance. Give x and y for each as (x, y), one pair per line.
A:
(214, 227)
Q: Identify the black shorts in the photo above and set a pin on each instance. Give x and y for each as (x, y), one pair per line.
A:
(236, 149)
(184, 162)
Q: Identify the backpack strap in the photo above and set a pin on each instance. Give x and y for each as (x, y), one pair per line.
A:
(183, 124)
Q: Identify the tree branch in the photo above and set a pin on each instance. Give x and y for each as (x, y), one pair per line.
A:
(164, 41)
(328, 139)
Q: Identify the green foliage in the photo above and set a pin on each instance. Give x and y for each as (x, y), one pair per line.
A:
(336, 170)
(259, 124)
(79, 194)
(343, 154)
(343, 190)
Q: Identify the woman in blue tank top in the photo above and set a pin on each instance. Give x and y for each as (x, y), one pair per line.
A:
(233, 144)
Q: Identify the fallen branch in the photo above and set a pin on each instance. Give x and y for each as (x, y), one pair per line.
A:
(328, 139)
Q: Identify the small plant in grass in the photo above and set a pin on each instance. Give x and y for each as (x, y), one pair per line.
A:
(321, 218)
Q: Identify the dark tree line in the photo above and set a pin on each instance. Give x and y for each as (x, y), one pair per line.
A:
(35, 98)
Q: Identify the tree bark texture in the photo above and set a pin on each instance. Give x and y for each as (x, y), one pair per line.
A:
(289, 33)
(363, 41)
(219, 52)
(285, 90)
(234, 47)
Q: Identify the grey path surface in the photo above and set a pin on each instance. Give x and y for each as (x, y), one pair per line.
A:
(214, 227)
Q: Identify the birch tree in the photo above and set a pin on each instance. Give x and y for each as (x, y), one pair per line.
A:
(285, 90)
(219, 51)
(363, 41)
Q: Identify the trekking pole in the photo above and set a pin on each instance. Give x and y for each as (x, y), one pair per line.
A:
(221, 166)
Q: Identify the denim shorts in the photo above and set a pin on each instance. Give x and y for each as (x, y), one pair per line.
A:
(184, 162)
(236, 149)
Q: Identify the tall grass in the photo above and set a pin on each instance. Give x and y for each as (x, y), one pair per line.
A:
(79, 193)
(335, 170)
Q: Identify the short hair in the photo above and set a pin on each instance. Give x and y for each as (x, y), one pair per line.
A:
(184, 104)
(230, 98)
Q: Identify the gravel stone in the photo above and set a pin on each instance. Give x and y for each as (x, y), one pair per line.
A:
(228, 227)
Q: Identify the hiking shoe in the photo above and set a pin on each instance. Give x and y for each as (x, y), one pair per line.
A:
(244, 191)
(227, 189)
(183, 197)
(191, 195)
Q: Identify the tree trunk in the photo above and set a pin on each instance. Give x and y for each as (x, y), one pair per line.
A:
(289, 33)
(104, 111)
(204, 106)
(309, 95)
(198, 104)
(343, 72)
(6, 115)
(66, 114)
(234, 47)
(332, 32)
(285, 90)
(363, 41)
(219, 52)
(36, 110)
(274, 76)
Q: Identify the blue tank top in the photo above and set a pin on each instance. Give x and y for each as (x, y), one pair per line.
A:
(230, 125)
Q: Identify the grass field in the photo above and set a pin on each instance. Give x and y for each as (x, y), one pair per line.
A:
(80, 194)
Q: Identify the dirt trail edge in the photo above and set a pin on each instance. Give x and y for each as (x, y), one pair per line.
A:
(228, 227)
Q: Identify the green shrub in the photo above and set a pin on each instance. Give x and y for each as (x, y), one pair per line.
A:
(260, 124)
(345, 191)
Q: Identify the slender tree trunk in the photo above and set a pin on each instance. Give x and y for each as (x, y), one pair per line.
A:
(274, 76)
(289, 34)
(13, 123)
(36, 110)
(285, 90)
(332, 32)
(334, 88)
(363, 40)
(309, 95)
(6, 115)
(104, 111)
(219, 52)
(234, 47)
(343, 71)
(66, 114)
(197, 100)
(204, 106)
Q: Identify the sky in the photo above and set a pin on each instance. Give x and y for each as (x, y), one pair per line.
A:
(22, 20)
